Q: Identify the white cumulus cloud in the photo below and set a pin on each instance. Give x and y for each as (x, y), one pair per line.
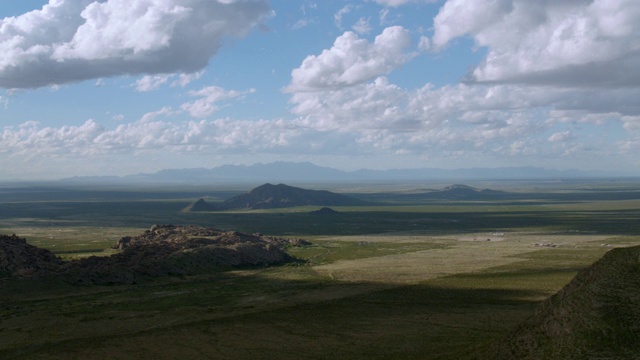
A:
(352, 60)
(208, 100)
(579, 43)
(33, 140)
(154, 82)
(493, 119)
(151, 82)
(74, 40)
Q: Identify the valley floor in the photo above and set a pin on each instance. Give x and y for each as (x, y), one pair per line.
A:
(382, 296)
(417, 274)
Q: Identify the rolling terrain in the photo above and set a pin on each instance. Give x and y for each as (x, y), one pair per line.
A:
(404, 276)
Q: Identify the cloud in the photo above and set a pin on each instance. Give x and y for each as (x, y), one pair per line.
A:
(561, 136)
(424, 44)
(75, 40)
(154, 82)
(362, 26)
(151, 116)
(384, 115)
(352, 61)
(186, 79)
(337, 18)
(209, 98)
(577, 43)
(118, 117)
(396, 3)
(302, 23)
(383, 16)
(151, 82)
(32, 140)
(480, 120)
(356, 108)
(631, 123)
(374, 119)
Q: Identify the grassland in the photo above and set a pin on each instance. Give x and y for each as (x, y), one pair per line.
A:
(410, 277)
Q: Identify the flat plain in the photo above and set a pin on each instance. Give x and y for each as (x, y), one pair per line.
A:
(411, 276)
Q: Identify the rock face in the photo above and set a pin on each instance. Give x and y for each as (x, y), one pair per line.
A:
(595, 316)
(160, 251)
(19, 259)
(270, 196)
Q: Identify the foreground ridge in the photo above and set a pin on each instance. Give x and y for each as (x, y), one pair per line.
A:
(595, 316)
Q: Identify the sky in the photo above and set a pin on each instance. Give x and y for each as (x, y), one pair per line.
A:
(117, 87)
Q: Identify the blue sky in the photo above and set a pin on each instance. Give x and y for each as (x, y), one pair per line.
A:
(116, 87)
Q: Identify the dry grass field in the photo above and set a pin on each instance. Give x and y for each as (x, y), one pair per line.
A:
(466, 253)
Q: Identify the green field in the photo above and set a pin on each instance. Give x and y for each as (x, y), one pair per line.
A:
(409, 277)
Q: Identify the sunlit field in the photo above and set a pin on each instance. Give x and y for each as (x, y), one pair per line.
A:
(408, 277)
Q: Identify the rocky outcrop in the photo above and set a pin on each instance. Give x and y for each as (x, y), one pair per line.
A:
(160, 251)
(19, 259)
(595, 316)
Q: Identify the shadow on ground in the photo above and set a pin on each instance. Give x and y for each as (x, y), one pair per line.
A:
(236, 316)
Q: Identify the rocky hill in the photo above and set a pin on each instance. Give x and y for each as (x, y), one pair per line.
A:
(463, 191)
(595, 316)
(323, 211)
(160, 251)
(17, 258)
(199, 205)
(270, 196)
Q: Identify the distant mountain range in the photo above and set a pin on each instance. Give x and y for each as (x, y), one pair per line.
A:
(305, 172)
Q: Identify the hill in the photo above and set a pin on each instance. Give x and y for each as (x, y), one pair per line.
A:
(459, 192)
(19, 259)
(199, 205)
(270, 196)
(464, 191)
(323, 211)
(595, 316)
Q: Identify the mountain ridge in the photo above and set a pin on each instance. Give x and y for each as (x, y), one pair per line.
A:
(286, 172)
